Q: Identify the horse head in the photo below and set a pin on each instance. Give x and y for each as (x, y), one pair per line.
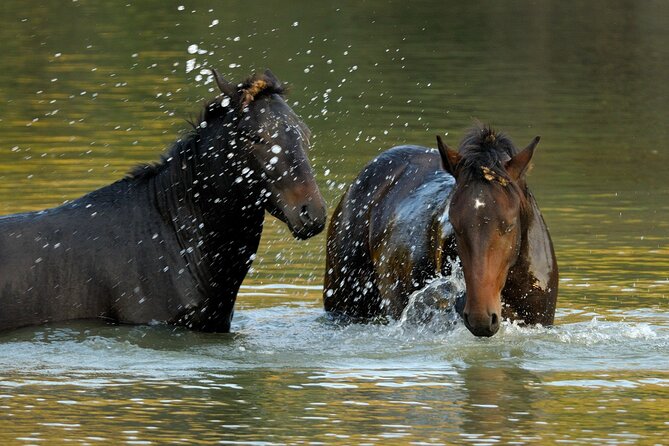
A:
(275, 142)
(488, 214)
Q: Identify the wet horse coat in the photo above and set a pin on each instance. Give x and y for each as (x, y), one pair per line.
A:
(172, 241)
(406, 218)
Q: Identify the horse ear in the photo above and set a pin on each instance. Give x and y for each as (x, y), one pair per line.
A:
(449, 158)
(227, 88)
(517, 166)
(275, 81)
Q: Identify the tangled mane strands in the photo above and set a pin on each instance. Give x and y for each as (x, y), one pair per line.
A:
(249, 94)
(252, 88)
(484, 152)
(255, 86)
(259, 85)
(143, 171)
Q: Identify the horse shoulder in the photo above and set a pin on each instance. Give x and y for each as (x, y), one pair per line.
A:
(532, 285)
(409, 251)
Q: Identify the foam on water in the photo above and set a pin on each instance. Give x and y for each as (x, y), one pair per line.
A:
(432, 308)
(428, 336)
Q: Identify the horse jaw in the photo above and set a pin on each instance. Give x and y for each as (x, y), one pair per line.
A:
(305, 218)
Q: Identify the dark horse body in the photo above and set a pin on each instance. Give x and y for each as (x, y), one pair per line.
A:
(412, 209)
(173, 241)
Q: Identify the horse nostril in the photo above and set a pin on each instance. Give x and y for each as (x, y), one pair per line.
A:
(304, 213)
(494, 322)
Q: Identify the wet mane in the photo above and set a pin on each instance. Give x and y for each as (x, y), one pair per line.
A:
(259, 85)
(483, 153)
(214, 111)
(145, 171)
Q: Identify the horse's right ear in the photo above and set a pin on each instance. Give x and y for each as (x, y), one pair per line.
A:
(275, 81)
(449, 158)
(227, 88)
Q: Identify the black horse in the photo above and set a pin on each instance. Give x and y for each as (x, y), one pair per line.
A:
(412, 208)
(172, 241)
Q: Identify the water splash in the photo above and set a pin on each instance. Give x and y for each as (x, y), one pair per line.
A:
(433, 308)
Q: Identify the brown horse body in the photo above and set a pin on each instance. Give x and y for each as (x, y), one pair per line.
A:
(412, 209)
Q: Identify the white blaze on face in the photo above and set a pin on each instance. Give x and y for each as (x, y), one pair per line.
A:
(478, 204)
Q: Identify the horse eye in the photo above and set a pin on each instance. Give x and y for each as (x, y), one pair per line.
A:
(506, 228)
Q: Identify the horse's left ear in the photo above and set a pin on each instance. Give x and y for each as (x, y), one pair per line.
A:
(517, 166)
(449, 158)
(227, 88)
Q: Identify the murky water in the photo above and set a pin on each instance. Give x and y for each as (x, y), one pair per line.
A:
(87, 90)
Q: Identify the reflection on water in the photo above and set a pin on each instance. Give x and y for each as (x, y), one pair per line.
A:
(88, 90)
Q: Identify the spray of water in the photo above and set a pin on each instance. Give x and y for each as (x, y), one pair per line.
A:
(433, 307)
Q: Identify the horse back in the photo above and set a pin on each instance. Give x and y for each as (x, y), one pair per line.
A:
(98, 256)
(382, 232)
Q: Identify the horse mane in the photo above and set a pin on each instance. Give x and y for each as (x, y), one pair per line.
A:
(144, 171)
(259, 85)
(484, 152)
(252, 88)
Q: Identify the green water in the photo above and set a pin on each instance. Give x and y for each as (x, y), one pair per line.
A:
(89, 89)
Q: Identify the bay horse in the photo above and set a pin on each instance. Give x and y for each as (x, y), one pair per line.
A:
(413, 210)
(172, 241)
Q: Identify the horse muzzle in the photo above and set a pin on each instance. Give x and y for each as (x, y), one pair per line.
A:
(310, 220)
(483, 322)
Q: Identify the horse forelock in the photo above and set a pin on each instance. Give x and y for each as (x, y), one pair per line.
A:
(250, 93)
(258, 85)
(484, 153)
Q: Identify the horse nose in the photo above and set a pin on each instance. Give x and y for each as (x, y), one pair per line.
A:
(304, 214)
(313, 218)
(483, 325)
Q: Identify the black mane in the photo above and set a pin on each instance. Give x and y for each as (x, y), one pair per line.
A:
(213, 111)
(272, 86)
(482, 147)
(144, 171)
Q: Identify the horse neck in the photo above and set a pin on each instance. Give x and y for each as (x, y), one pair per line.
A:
(197, 194)
(537, 257)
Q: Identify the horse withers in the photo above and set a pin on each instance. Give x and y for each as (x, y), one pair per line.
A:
(172, 241)
(413, 211)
